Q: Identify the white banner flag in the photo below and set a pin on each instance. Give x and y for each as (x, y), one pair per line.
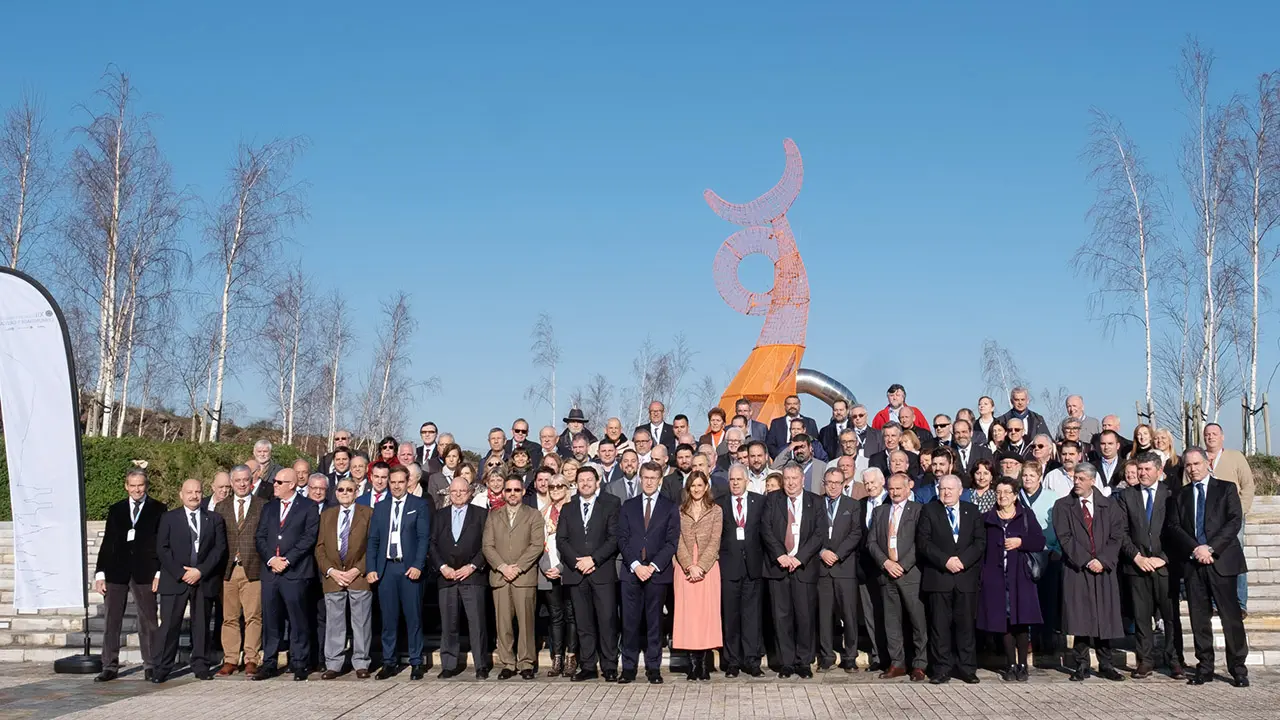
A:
(42, 445)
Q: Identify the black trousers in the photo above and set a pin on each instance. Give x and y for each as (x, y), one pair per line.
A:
(1148, 593)
(838, 602)
(455, 601)
(1205, 589)
(793, 620)
(740, 610)
(315, 597)
(285, 600)
(1080, 652)
(172, 608)
(595, 620)
(642, 605)
(562, 631)
(953, 618)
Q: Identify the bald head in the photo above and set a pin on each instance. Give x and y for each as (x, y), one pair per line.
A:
(190, 493)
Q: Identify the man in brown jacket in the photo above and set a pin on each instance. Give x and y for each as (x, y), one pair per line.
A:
(340, 558)
(241, 589)
(514, 536)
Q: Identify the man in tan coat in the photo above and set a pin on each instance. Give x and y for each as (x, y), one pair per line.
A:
(340, 558)
(513, 542)
(242, 586)
(1231, 466)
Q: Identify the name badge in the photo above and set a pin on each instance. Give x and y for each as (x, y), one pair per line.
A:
(130, 535)
(742, 533)
(830, 531)
(395, 538)
(893, 542)
(795, 528)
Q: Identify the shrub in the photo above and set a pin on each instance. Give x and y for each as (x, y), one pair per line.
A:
(1266, 474)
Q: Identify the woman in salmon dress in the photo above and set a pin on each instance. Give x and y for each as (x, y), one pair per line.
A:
(697, 585)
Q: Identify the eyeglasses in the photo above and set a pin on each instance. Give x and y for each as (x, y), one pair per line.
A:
(1015, 429)
(558, 487)
(942, 425)
(491, 464)
(858, 415)
(428, 432)
(283, 482)
(520, 431)
(1040, 446)
(513, 490)
(346, 490)
(388, 447)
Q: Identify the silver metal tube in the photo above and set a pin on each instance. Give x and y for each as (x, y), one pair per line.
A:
(822, 386)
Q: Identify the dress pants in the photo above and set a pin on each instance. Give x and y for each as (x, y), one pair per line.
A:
(1045, 637)
(317, 636)
(872, 597)
(642, 605)
(336, 605)
(117, 597)
(793, 606)
(172, 608)
(903, 596)
(594, 613)
(398, 596)
(1080, 652)
(953, 616)
(740, 602)
(1205, 589)
(1148, 593)
(838, 602)
(518, 603)
(239, 594)
(284, 600)
(455, 601)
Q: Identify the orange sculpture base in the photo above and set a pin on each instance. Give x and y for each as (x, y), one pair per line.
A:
(766, 379)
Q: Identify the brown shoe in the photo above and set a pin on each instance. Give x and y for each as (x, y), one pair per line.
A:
(893, 672)
(1142, 672)
(363, 674)
(570, 665)
(328, 675)
(917, 675)
(226, 669)
(250, 669)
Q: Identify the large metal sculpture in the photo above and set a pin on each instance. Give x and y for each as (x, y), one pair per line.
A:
(772, 371)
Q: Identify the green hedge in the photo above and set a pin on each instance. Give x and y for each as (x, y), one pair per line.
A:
(106, 460)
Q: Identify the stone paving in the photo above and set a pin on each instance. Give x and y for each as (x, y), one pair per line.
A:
(30, 692)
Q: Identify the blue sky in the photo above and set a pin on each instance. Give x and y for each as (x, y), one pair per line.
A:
(497, 161)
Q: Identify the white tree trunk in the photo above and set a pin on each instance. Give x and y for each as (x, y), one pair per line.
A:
(293, 370)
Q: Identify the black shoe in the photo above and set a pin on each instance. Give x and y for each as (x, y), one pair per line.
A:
(1200, 679)
(417, 672)
(731, 673)
(876, 667)
(446, 674)
(203, 675)
(939, 679)
(1110, 674)
(482, 674)
(386, 671)
(584, 675)
(109, 675)
(1240, 681)
(754, 671)
(300, 675)
(970, 678)
(1009, 674)
(1079, 674)
(1020, 673)
(610, 675)
(146, 674)
(157, 678)
(627, 677)
(506, 674)
(528, 674)
(804, 673)
(654, 676)
(784, 672)
(264, 673)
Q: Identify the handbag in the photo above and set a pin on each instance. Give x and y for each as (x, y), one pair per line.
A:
(1035, 563)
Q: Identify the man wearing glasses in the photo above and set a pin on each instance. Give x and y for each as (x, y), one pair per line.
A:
(341, 438)
(520, 438)
(1017, 440)
(286, 542)
(341, 559)
(1032, 422)
(513, 539)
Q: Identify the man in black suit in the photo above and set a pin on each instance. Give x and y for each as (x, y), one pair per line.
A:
(648, 530)
(427, 455)
(967, 452)
(191, 543)
(741, 570)
(286, 541)
(457, 552)
(950, 542)
(661, 431)
(779, 435)
(673, 484)
(520, 437)
(868, 437)
(127, 564)
(755, 429)
(795, 526)
(1033, 423)
(838, 574)
(587, 538)
(1146, 569)
(1203, 533)
(829, 435)
(891, 436)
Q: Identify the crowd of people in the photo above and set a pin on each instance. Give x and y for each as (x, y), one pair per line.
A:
(924, 541)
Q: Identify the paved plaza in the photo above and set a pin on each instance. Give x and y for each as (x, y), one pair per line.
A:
(31, 692)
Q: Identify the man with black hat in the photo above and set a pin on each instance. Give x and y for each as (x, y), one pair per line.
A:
(575, 424)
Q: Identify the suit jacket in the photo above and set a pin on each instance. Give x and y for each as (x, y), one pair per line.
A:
(415, 533)
(1233, 467)
(327, 557)
(266, 487)
(844, 537)
(614, 474)
(776, 438)
(599, 539)
(1034, 424)
(432, 464)
(1223, 517)
(295, 539)
(366, 497)
(618, 488)
(173, 547)
(667, 438)
(935, 545)
(813, 531)
(518, 543)
(654, 545)
(976, 452)
(1140, 536)
(757, 430)
(468, 549)
(829, 439)
(531, 447)
(241, 537)
(120, 560)
(742, 559)
(878, 543)
(881, 460)
(872, 441)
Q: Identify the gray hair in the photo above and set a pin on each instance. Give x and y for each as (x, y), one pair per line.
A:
(137, 472)
(1194, 449)
(892, 424)
(319, 476)
(737, 466)
(950, 478)
(263, 443)
(873, 472)
(834, 471)
(241, 468)
(1019, 389)
(735, 431)
(1087, 468)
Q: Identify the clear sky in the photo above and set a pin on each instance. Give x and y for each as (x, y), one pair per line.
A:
(496, 160)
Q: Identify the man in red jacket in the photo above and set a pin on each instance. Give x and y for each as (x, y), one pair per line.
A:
(897, 396)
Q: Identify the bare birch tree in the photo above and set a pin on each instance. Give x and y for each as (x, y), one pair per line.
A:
(390, 388)
(1000, 374)
(244, 232)
(335, 345)
(594, 400)
(706, 394)
(285, 348)
(546, 354)
(26, 178)
(1126, 222)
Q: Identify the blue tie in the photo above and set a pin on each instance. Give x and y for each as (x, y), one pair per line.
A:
(1150, 503)
(1200, 536)
(951, 518)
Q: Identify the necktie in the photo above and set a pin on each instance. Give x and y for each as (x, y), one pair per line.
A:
(964, 458)
(871, 510)
(137, 510)
(951, 518)
(344, 534)
(1088, 522)
(459, 519)
(195, 537)
(893, 532)
(240, 513)
(586, 512)
(790, 543)
(394, 548)
(631, 489)
(648, 511)
(742, 518)
(1201, 537)
(1150, 502)
(284, 511)
(831, 510)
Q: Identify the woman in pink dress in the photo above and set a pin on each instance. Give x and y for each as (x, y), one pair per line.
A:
(697, 585)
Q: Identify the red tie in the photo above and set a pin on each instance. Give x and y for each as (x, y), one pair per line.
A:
(284, 512)
(1088, 522)
(742, 521)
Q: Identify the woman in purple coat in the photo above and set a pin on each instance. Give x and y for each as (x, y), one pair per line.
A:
(1009, 603)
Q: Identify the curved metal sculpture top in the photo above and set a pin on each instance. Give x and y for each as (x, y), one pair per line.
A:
(785, 305)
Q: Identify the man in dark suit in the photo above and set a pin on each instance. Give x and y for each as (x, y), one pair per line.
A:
(1203, 532)
(399, 537)
(673, 484)
(339, 468)
(286, 541)
(457, 551)
(427, 455)
(520, 437)
(892, 546)
(191, 543)
(662, 432)
(587, 539)
(891, 436)
(868, 437)
(779, 435)
(1033, 423)
(829, 435)
(838, 574)
(648, 530)
(967, 452)
(756, 430)
(127, 564)
(795, 526)
(607, 466)
(341, 438)
(1147, 566)
(741, 573)
(950, 542)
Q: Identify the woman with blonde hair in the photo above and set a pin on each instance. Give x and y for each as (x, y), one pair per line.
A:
(911, 441)
(1143, 440)
(562, 635)
(1169, 452)
(697, 586)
